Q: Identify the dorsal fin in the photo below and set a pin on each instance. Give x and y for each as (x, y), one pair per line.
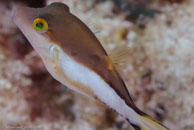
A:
(93, 27)
(119, 57)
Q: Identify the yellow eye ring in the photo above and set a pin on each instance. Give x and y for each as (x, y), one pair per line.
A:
(40, 24)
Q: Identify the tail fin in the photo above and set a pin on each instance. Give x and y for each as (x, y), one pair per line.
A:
(150, 124)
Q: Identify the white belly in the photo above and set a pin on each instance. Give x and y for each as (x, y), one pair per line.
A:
(81, 75)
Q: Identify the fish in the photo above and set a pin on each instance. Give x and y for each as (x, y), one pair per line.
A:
(74, 56)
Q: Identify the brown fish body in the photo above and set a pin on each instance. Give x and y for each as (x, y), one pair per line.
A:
(76, 58)
(88, 51)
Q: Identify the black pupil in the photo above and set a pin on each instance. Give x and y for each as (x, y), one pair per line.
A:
(39, 25)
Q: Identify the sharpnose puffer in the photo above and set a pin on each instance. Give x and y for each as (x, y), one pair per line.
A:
(74, 56)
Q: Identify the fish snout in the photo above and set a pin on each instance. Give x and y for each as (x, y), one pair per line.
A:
(13, 11)
(23, 16)
(16, 14)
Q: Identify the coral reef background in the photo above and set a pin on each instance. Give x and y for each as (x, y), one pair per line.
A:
(159, 71)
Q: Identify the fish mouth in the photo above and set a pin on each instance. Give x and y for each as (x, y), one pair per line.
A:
(23, 16)
(13, 13)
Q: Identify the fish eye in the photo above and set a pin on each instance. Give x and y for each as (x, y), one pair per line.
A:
(40, 25)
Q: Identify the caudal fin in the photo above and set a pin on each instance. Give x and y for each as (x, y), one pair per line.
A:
(150, 124)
